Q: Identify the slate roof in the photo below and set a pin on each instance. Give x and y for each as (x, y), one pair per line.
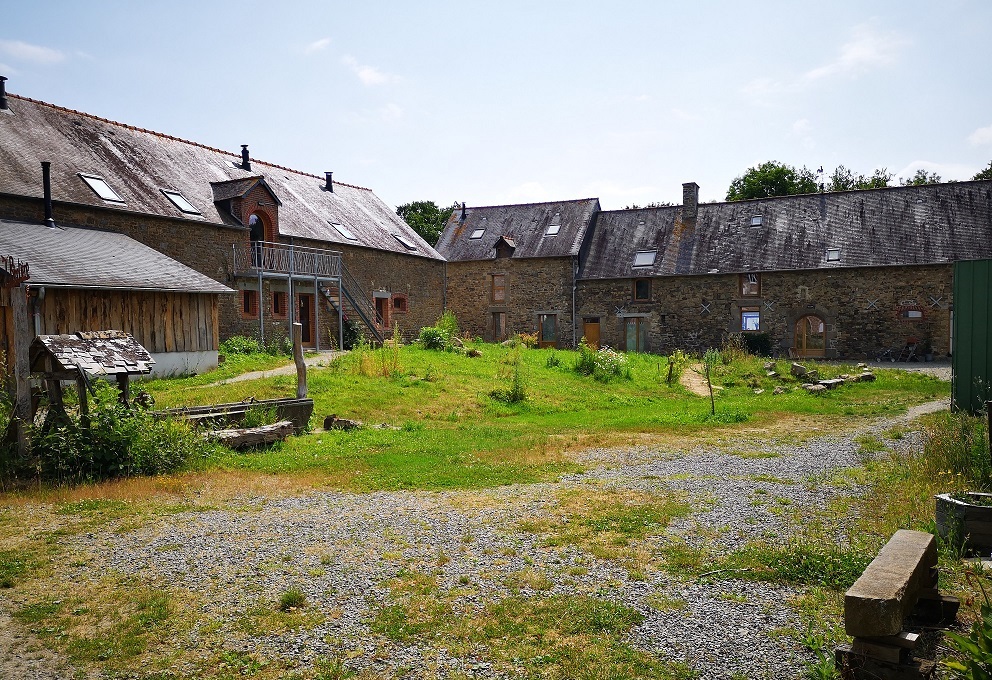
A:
(99, 353)
(870, 228)
(87, 258)
(138, 163)
(523, 225)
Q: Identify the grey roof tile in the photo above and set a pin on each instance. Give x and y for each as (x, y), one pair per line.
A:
(87, 258)
(523, 225)
(875, 227)
(138, 163)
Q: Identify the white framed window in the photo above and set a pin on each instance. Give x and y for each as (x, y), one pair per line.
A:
(343, 230)
(833, 254)
(407, 243)
(101, 188)
(644, 258)
(478, 233)
(756, 220)
(750, 318)
(554, 226)
(180, 202)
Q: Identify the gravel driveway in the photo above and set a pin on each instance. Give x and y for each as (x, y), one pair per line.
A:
(342, 548)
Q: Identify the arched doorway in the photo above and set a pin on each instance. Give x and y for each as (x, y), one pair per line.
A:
(256, 232)
(811, 337)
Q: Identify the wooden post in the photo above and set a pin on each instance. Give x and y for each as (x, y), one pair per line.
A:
(23, 334)
(301, 366)
(84, 406)
(123, 384)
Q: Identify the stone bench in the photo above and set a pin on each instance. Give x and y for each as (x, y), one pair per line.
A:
(899, 583)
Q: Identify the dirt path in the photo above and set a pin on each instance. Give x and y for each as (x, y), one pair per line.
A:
(693, 378)
(23, 656)
(289, 369)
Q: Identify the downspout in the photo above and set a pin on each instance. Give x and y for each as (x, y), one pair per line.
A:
(575, 274)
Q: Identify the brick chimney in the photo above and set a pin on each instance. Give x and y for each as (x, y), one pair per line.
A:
(690, 200)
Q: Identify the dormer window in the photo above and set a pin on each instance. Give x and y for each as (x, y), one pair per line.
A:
(478, 233)
(407, 243)
(833, 254)
(180, 202)
(644, 258)
(756, 220)
(554, 226)
(101, 188)
(343, 230)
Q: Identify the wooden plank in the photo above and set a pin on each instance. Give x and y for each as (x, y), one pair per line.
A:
(215, 322)
(203, 322)
(189, 321)
(169, 323)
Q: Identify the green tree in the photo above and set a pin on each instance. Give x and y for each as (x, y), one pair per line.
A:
(772, 179)
(844, 179)
(985, 174)
(426, 218)
(920, 178)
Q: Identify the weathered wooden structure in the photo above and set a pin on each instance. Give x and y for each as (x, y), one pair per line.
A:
(899, 584)
(55, 359)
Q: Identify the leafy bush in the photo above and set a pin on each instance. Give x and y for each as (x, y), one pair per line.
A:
(352, 333)
(976, 649)
(517, 391)
(292, 599)
(448, 324)
(241, 344)
(603, 364)
(956, 444)
(117, 443)
(734, 349)
(432, 337)
(528, 339)
(553, 360)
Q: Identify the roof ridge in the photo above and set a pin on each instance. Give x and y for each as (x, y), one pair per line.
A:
(518, 205)
(135, 128)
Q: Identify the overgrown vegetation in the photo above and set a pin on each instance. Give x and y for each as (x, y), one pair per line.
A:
(112, 440)
(603, 364)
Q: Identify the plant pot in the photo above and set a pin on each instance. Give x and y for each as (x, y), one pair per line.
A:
(964, 520)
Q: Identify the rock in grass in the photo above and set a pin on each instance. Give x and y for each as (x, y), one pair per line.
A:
(813, 388)
(798, 370)
(332, 422)
(779, 390)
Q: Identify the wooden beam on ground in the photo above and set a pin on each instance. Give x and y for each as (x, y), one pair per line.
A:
(249, 437)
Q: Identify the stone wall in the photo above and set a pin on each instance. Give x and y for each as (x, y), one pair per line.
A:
(533, 286)
(864, 310)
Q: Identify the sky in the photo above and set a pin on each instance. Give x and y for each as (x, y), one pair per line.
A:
(515, 102)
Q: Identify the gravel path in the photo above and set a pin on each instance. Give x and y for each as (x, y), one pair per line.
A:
(341, 549)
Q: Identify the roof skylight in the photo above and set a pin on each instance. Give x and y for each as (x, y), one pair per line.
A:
(478, 233)
(644, 258)
(343, 230)
(554, 226)
(180, 202)
(407, 243)
(756, 220)
(833, 254)
(101, 188)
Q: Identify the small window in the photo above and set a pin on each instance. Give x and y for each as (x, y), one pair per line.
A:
(279, 306)
(644, 258)
(478, 233)
(750, 318)
(102, 189)
(343, 230)
(642, 289)
(180, 202)
(407, 243)
(750, 285)
(554, 226)
(912, 314)
(499, 288)
(249, 304)
(399, 302)
(756, 220)
(833, 254)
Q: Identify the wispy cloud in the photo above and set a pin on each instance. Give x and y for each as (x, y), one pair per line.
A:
(19, 50)
(7, 69)
(369, 75)
(867, 49)
(981, 136)
(391, 112)
(317, 45)
(947, 171)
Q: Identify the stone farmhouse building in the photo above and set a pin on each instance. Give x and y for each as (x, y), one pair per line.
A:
(513, 268)
(846, 274)
(291, 246)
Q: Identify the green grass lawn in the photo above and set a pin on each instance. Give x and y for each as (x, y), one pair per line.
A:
(444, 430)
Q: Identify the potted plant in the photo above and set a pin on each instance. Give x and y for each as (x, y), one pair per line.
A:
(964, 520)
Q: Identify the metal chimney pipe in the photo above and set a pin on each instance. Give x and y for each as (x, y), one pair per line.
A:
(3, 94)
(329, 181)
(46, 181)
(245, 160)
(463, 211)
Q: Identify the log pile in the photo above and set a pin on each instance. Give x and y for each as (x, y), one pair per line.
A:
(252, 437)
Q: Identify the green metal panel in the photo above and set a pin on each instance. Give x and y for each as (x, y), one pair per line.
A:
(972, 358)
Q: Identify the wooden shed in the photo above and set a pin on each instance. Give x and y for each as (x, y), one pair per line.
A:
(90, 280)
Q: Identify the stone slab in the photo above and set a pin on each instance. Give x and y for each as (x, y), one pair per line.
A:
(879, 600)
